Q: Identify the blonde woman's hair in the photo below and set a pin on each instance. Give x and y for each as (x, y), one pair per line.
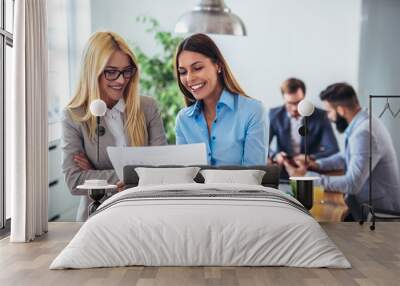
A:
(203, 44)
(98, 50)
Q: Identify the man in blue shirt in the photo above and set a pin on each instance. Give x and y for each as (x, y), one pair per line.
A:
(343, 108)
(285, 122)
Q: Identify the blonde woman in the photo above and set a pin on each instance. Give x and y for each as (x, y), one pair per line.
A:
(218, 112)
(110, 72)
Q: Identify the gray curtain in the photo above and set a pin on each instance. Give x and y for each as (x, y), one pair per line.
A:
(29, 150)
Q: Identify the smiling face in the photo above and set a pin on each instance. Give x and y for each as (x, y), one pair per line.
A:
(199, 75)
(112, 90)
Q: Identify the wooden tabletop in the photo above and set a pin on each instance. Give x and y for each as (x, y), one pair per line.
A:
(328, 206)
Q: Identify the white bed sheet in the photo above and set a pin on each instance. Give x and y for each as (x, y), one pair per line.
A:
(200, 231)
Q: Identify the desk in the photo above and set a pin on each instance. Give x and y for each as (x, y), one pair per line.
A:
(332, 207)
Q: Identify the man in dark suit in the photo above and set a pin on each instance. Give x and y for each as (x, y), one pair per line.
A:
(285, 122)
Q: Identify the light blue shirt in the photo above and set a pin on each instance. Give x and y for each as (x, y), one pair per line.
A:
(355, 160)
(238, 133)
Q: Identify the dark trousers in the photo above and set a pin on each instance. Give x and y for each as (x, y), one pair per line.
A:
(354, 207)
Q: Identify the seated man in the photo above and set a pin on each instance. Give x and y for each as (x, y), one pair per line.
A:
(285, 122)
(343, 108)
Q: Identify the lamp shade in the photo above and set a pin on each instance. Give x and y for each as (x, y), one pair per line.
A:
(98, 107)
(211, 17)
(305, 108)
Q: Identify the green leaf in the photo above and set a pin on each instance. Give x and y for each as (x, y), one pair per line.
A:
(157, 78)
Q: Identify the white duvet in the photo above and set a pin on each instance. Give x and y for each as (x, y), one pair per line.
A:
(185, 231)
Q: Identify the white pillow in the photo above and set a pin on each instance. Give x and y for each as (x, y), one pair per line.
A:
(248, 177)
(166, 176)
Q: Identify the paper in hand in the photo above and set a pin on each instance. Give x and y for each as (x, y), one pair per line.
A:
(186, 154)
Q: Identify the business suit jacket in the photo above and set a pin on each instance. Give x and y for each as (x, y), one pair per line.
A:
(321, 139)
(355, 158)
(76, 140)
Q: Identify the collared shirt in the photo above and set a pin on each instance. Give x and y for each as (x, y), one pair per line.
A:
(237, 135)
(295, 137)
(114, 119)
(355, 159)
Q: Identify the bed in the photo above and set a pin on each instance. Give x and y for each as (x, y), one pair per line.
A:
(198, 224)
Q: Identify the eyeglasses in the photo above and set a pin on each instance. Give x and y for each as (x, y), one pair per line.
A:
(293, 103)
(113, 74)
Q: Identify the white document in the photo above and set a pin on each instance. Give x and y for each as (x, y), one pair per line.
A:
(186, 154)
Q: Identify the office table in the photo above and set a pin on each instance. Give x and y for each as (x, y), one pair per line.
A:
(330, 207)
(327, 206)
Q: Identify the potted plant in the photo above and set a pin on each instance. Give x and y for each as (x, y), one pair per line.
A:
(157, 75)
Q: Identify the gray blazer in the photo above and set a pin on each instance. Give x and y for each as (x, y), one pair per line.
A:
(76, 139)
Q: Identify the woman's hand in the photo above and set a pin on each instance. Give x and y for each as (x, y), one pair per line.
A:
(120, 186)
(83, 162)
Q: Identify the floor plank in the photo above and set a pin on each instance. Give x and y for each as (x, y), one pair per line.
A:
(374, 255)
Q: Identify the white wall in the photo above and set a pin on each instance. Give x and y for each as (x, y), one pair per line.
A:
(379, 71)
(68, 31)
(315, 40)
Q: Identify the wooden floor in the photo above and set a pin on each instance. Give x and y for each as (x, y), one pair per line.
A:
(375, 257)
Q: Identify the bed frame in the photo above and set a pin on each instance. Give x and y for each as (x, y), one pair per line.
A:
(270, 179)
